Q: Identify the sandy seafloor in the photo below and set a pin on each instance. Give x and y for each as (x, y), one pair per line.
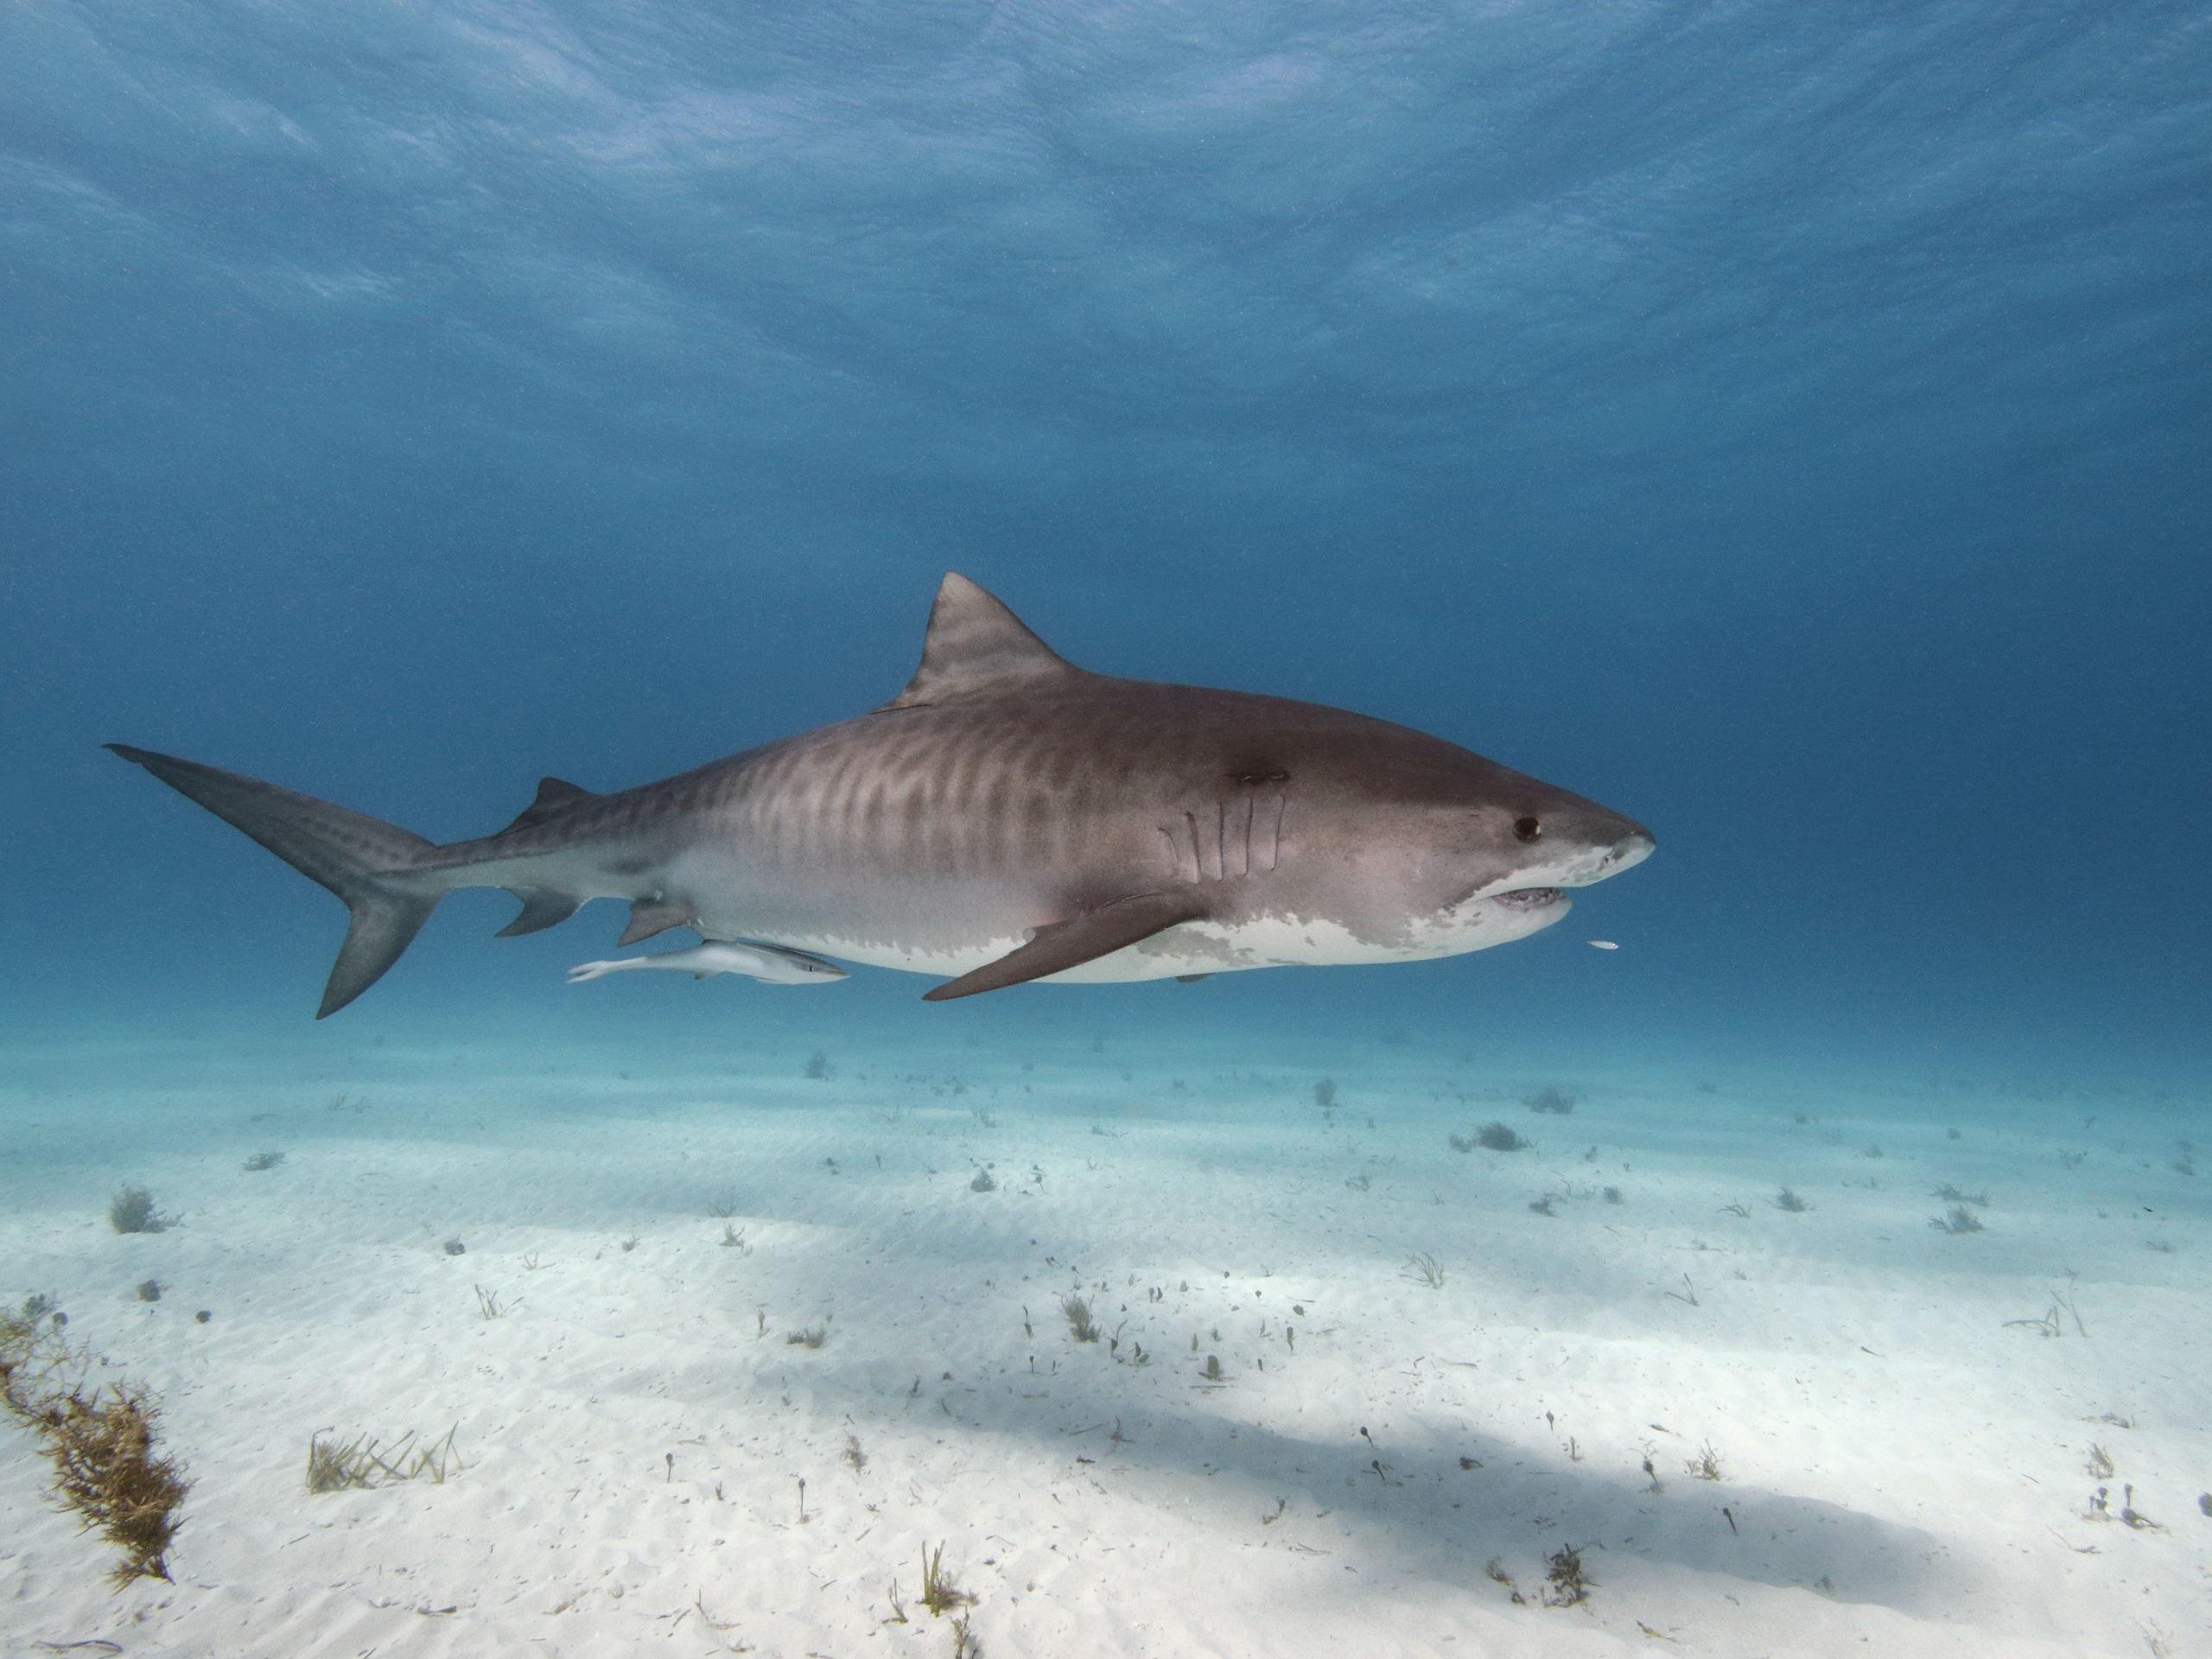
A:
(1906, 1465)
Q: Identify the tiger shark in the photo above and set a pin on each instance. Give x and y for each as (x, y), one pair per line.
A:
(1008, 818)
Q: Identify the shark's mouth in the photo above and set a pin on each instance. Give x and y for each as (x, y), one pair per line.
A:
(1478, 923)
(1527, 898)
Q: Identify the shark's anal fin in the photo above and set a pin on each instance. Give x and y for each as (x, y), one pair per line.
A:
(1071, 943)
(542, 908)
(652, 916)
(554, 797)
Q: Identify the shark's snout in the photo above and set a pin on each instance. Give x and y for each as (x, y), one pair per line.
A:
(1630, 850)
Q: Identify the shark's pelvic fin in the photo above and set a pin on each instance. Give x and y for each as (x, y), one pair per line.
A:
(1071, 943)
(363, 859)
(542, 908)
(652, 916)
(554, 797)
(974, 643)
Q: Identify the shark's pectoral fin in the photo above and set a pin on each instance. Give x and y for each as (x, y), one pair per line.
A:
(542, 908)
(652, 916)
(1071, 943)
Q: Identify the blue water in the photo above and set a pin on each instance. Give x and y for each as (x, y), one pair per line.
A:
(1788, 426)
(1788, 430)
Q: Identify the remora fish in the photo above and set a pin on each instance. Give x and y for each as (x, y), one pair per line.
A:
(1007, 816)
(770, 964)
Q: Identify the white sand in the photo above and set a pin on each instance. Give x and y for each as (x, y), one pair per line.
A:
(1901, 1472)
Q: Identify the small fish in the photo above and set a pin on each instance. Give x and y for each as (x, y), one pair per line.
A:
(1603, 944)
(770, 964)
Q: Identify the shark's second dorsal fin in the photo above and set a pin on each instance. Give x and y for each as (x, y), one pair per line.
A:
(974, 643)
(554, 797)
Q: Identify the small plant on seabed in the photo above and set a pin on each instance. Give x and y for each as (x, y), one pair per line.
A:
(853, 1454)
(1500, 1137)
(1705, 1465)
(982, 1183)
(488, 1305)
(1325, 1094)
(1077, 1313)
(1951, 1194)
(734, 1239)
(1788, 1199)
(1566, 1585)
(1213, 1368)
(813, 1337)
(2053, 1322)
(1494, 1570)
(149, 1290)
(939, 1594)
(262, 1160)
(132, 1211)
(2101, 1509)
(1957, 1219)
(99, 1441)
(1550, 1100)
(1543, 1206)
(818, 1066)
(1422, 1270)
(334, 1466)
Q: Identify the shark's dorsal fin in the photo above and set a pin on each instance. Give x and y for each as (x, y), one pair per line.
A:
(974, 643)
(554, 797)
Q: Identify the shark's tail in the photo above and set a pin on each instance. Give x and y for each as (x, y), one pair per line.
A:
(363, 859)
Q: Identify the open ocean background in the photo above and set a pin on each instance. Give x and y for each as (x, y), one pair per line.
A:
(1791, 426)
(1789, 429)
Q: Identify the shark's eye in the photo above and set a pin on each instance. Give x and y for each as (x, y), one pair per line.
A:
(1528, 829)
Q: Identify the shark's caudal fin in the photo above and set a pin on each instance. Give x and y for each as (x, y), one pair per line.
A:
(358, 857)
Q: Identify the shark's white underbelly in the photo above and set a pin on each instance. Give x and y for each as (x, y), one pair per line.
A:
(733, 901)
(1200, 947)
